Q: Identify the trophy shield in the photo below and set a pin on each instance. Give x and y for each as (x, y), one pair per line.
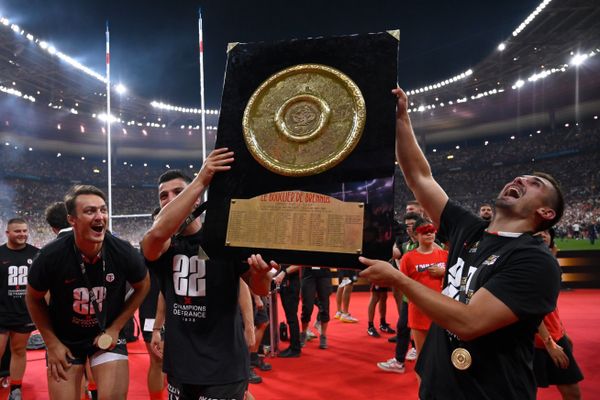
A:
(311, 122)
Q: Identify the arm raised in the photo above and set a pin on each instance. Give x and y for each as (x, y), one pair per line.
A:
(414, 165)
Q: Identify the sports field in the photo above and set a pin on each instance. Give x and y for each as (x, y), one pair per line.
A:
(573, 244)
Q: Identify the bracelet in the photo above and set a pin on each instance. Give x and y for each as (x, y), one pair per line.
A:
(157, 329)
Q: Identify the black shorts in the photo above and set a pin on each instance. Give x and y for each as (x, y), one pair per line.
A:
(82, 353)
(229, 391)
(147, 335)
(547, 373)
(347, 273)
(24, 328)
(261, 316)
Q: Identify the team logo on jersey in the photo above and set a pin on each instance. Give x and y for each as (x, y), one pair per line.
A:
(490, 260)
(29, 261)
(110, 277)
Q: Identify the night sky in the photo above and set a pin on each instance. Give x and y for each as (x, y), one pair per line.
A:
(154, 44)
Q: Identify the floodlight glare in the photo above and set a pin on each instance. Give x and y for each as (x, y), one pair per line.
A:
(120, 88)
(501, 46)
(578, 59)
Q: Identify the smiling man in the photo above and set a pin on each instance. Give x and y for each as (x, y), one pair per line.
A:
(85, 273)
(499, 284)
(16, 256)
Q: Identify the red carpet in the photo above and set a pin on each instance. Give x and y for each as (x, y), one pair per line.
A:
(347, 369)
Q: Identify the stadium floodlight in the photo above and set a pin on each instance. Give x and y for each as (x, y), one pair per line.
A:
(531, 17)
(518, 84)
(102, 117)
(501, 47)
(578, 59)
(120, 88)
(4, 21)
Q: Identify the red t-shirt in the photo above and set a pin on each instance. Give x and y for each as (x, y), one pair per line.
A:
(554, 326)
(416, 266)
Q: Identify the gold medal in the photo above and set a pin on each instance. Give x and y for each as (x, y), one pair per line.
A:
(104, 341)
(461, 358)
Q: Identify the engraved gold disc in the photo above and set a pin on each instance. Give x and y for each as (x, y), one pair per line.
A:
(304, 120)
(461, 358)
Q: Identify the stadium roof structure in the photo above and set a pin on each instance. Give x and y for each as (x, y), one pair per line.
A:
(530, 82)
(547, 71)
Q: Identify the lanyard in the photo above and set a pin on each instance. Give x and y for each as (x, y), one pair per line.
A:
(93, 299)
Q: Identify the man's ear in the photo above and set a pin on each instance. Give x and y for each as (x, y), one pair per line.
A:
(546, 213)
(70, 219)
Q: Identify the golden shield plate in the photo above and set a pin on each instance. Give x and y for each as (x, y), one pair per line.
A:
(304, 120)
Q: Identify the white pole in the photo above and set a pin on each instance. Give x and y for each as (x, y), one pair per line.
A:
(108, 144)
(202, 110)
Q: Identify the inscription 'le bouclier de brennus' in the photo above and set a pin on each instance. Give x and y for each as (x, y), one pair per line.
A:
(296, 220)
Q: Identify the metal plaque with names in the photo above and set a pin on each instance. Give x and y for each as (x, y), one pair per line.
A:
(296, 220)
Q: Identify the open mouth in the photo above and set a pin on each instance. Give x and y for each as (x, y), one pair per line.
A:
(513, 191)
(98, 228)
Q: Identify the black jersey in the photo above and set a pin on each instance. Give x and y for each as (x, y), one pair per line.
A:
(57, 269)
(204, 338)
(525, 277)
(14, 268)
(148, 307)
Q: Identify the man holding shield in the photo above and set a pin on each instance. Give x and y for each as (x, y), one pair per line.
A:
(497, 286)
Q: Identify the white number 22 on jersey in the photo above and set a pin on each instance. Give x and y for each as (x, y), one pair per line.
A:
(17, 275)
(189, 276)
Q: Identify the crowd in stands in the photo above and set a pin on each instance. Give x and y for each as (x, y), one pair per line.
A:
(31, 180)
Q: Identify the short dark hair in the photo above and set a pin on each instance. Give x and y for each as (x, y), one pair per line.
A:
(412, 215)
(557, 202)
(16, 220)
(173, 174)
(79, 190)
(56, 215)
(420, 222)
(485, 204)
